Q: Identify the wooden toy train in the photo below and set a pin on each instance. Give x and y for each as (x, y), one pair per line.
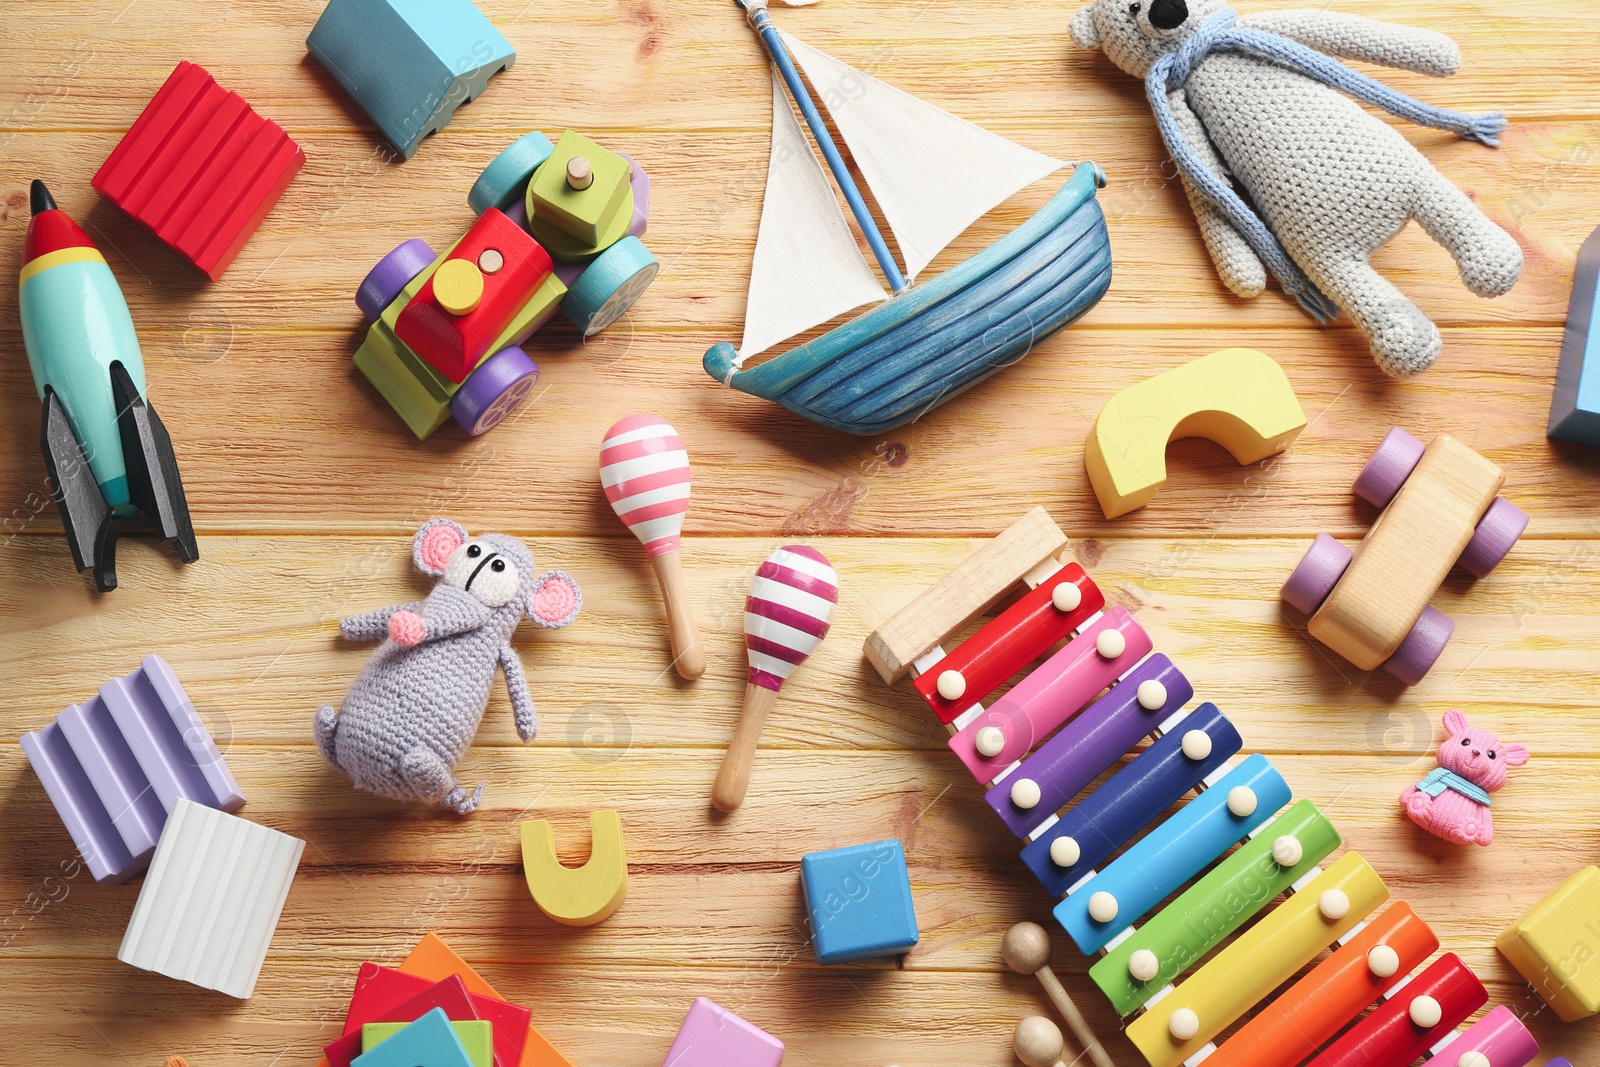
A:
(1031, 776)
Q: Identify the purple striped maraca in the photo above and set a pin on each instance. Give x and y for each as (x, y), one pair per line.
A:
(786, 616)
(644, 470)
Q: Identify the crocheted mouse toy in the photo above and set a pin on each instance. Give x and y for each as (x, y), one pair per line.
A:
(1258, 101)
(415, 707)
(1452, 802)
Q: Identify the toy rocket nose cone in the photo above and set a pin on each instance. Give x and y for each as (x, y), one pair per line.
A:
(39, 198)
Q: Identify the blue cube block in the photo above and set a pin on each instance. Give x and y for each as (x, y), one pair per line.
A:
(409, 63)
(859, 900)
(1575, 409)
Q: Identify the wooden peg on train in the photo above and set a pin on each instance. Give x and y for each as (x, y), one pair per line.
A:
(1026, 949)
(786, 616)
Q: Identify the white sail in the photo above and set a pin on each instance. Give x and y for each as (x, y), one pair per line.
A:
(807, 267)
(932, 173)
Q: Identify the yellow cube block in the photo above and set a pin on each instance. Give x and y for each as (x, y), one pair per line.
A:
(1556, 946)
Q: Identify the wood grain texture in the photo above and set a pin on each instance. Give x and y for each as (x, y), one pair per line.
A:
(306, 488)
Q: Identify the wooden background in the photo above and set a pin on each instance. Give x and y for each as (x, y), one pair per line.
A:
(305, 489)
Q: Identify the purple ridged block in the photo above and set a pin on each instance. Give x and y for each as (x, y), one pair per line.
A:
(1397, 456)
(1318, 571)
(1420, 650)
(115, 765)
(1496, 535)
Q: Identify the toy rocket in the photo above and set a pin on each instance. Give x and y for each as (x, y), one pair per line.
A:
(107, 452)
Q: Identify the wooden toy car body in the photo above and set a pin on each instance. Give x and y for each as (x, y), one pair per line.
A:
(441, 347)
(1440, 508)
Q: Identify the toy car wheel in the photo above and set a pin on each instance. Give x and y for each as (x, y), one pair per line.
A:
(1318, 572)
(502, 182)
(393, 273)
(494, 390)
(1497, 532)
(640, 181)
(1420, 650)
(1389, 468)
(610, 285)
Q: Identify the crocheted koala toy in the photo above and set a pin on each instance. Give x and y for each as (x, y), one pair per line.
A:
(1261, 101)
(415, 707)
(1452, 802)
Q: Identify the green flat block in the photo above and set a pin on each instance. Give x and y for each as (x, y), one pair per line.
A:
(1215, 906)
(477, 1037)
(583, 214)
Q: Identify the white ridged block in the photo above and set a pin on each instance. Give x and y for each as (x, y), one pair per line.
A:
(211, 899)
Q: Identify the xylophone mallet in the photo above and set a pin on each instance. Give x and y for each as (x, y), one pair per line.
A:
(1026, 949)
(1038, 1043)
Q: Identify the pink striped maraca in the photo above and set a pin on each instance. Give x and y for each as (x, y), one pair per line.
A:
(786, 616)
(645, 473)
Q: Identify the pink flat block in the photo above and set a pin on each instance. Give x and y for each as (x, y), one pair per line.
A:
(712, 1036)
(1061, 687)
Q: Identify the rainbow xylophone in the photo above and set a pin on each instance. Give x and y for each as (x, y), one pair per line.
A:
(1070, 719)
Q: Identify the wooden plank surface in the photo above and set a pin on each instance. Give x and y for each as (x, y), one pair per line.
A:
(305, 489)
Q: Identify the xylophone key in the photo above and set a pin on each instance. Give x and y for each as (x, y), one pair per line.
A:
(1257, 962)
(1172, 853)
(1057, 689)
(1009, 642)
(1497, 1040)
(1414, 1020)
(1136, 796)
(1308, 1014)
(1064, 765)
(1216, 905)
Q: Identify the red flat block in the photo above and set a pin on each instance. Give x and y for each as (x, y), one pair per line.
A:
(455, 344)
(200, 169)
(1389, 1038)
(1009, 642)
(449, 994)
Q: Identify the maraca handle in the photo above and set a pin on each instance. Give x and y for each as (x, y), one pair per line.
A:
(688, 654)
(733, 777)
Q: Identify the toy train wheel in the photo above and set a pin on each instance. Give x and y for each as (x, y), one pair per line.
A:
(610, 285)
(393, 273)
(1391, 464)
(1497, 532)
(1318, 572)
(494, 390)
(1420, 650)
(502, 182)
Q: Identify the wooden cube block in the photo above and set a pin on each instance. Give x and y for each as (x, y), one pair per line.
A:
(1556, 946)
(409, 63)
(859, 900)
(1575, 408)
(581, 212)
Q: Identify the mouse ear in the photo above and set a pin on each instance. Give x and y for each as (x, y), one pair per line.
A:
(1515, 755)
(1084, 30)
(555, 600)
(431, 548)
(1455, 722)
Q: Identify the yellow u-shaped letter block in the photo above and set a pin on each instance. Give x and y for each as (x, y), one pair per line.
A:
(1238, 397)
(577, 896)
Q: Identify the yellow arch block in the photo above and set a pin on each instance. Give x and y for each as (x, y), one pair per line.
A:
(577, 896)
(1238, 397)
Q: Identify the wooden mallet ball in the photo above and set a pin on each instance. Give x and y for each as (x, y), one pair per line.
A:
(1038, 1042)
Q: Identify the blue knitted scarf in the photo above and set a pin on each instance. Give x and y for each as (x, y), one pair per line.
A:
(1439, 779)
(1220, 34)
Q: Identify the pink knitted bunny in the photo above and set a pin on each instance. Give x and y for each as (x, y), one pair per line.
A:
(1452, 802)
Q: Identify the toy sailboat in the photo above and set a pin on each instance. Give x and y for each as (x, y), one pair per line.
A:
(932, 175)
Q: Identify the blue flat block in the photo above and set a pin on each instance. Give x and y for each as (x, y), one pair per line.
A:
(429, 1042)
(409, 63)
(859, 900)
(1135, 797)
(1575, 409)
(1172, 853)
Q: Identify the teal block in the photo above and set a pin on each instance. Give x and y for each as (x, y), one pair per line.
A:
(859, 900)
(1575, 409)
(429, 1042)
(409, 63)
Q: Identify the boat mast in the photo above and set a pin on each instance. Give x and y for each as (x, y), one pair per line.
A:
(756, 11)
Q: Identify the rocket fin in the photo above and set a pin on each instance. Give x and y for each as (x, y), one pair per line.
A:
(153, 481)
(91, 527)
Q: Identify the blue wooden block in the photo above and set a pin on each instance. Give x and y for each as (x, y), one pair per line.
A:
(409, 63)
(1575, 410)
(859, 900)
(429, 1042)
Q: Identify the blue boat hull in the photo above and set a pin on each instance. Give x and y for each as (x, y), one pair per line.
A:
(903, 358)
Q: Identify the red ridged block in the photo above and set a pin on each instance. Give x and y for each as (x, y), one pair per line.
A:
(200, 169)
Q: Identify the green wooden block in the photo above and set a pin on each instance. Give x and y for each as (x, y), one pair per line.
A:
(1215, 906)
(476, 1036)
(581, 213)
